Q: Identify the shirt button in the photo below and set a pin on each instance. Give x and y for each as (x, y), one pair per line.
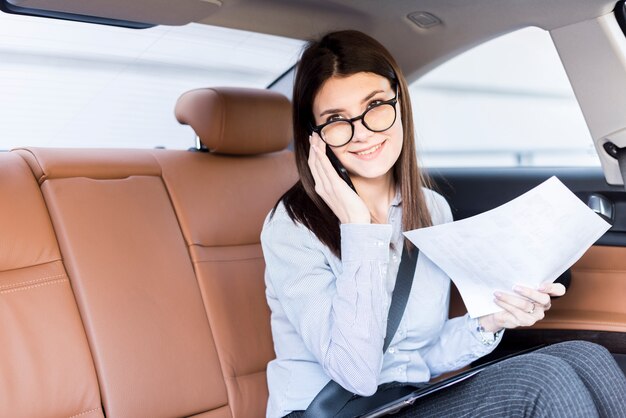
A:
(380, 244)
(394, 258)
(392, 350)
(400, 369)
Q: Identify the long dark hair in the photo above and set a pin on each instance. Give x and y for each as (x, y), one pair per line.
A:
(345, 53)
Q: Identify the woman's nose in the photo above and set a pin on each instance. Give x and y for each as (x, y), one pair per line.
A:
(361, 133)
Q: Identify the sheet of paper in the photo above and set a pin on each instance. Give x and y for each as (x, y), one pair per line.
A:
(532, 239)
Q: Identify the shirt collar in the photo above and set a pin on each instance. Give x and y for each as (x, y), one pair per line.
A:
(397, 199)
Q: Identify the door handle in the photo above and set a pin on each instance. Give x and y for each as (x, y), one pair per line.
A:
(602, 206)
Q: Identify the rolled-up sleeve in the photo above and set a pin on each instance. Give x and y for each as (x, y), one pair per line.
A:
(341, 317)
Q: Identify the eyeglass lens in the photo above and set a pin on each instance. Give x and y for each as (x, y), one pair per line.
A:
(376, 119)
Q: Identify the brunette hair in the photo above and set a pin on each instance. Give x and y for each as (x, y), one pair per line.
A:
(342, 54)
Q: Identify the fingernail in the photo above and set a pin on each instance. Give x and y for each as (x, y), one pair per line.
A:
(497, 294)
(517, 288)
(542, 287)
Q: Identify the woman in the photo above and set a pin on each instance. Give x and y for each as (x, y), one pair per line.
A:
(333, 249)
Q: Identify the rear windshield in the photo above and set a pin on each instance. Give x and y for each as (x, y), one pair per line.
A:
(69, 84)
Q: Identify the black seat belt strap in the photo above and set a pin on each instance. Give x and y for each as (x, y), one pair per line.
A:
(621, 160)
(620, 155)
(400, 295)
(333, 398)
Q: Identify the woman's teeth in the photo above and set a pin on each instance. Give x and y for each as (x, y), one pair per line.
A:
(370, 150)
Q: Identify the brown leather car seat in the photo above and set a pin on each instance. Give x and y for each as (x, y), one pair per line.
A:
(134, 283)
(221, 198)
(46, 369)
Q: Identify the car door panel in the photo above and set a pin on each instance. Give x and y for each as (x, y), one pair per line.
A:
(594, 307)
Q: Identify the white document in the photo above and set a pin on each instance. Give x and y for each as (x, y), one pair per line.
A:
(532, 239)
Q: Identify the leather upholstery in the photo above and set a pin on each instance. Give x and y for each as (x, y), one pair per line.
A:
(595, 298)
(223, 200)
(46, 367)
(26, 237)
(457, 306)
(51, 163)
(130, 267)
(138, 296)
(221, 203)
(237, 121)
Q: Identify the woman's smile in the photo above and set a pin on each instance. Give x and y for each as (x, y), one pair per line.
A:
(370, 152)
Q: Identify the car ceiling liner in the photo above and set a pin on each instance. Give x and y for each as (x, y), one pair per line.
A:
(137, 14)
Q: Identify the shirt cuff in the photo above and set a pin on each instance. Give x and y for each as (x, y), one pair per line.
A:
(365, 242)
(483, 338)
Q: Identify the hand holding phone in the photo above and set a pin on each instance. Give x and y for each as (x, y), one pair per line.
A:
(339, 168)
(334, 186)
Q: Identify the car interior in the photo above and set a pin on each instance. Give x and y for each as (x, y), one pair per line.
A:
(131, 280)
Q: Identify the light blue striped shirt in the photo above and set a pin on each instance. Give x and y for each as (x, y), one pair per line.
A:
(329, 315)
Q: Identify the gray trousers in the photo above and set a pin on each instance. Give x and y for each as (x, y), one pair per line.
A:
(570, 379)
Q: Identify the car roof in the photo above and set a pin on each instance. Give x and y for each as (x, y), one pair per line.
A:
(461, 23)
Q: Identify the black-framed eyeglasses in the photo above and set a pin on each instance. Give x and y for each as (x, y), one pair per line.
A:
(377, 118)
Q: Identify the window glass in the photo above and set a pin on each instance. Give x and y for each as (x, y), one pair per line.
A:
(504, 103)
(69, 84)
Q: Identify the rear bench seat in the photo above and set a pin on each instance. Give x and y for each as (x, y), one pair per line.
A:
(163, 256)
(46, 369)
(221, 199)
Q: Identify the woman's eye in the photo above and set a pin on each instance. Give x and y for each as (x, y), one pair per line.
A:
(374, 103)
(333, 118)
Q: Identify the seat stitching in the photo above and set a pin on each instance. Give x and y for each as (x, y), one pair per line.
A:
(237, 376)
(33, 286)
(234, 260)
(598, 270)
(85, 412)
(43, 279)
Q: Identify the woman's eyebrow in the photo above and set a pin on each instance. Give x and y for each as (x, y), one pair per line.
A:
(372, 94)
(369, 96)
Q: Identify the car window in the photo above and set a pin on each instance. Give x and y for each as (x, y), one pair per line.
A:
(69, 84)
(507, 102)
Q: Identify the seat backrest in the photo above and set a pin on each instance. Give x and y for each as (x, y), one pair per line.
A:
(221, 198)
(162, 250)
(134, 282)
(46, 368)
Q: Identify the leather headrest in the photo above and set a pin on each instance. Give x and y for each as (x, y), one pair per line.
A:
(237, 121)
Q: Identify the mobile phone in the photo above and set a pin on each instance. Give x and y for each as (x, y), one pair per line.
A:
(341, 170)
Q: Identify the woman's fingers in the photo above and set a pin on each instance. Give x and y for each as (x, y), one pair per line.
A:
(527, 306)
(324, 165)
(321, 172)
(519, 316)
(313, 166)
(533, 295)
(319, 175)
(522, 304)
(323, 184)
(552, 289)
(339, 197)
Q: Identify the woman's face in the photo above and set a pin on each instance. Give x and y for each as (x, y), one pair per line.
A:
(369, 155)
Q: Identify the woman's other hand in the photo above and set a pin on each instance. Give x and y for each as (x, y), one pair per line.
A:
(339, 197)
(522, 309)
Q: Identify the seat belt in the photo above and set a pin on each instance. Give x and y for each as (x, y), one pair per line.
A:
(621, 160)
(620, 155)
(333, 398)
